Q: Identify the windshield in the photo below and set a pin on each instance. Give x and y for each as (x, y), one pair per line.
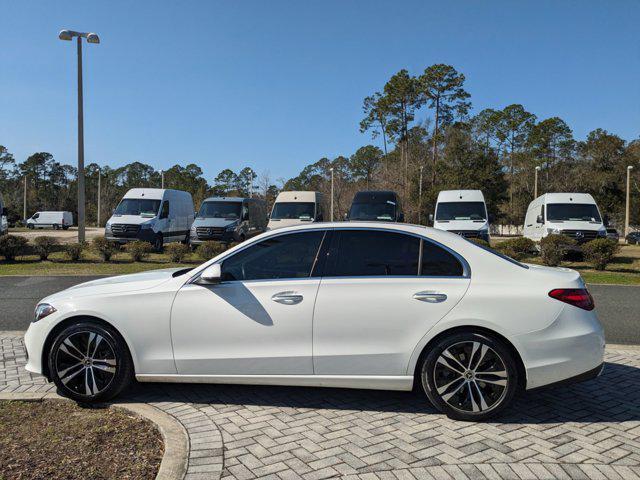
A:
(220, 210)
(373, 211)
(579, 212)
(293, 210)
(461, 211)
(138, 206)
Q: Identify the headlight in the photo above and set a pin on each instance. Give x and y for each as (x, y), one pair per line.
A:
(231, 227)
(193, 228)
(555, 231)
(43, 310)
(107, 226)
(602, 233)
(145, 226)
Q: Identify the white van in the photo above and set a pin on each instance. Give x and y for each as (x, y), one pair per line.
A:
(4, 224)
(463, 212)
(295, 208)
(55, 220)
(575, 215)
(153, 215)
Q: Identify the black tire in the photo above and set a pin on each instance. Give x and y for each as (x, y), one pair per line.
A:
(158, 243)
(242, 238)
(94, 377)
(462, 394)
(65, 228)
(30, 227)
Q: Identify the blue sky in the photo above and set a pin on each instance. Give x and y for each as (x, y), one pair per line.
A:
(277, 85)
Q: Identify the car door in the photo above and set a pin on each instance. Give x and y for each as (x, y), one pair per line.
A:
(258, 320)
(381, 293)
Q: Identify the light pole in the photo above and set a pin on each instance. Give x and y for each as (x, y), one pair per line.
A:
(420, 196)
(24, 202)
(626, 210)
(91, 38)
(98, 214)
(535, 186)
(331, 216)
(161, 178)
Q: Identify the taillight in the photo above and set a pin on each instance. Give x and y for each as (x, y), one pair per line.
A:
(578, 297)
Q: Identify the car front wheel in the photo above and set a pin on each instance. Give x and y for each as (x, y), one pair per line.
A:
(89, 362)
(470, 376)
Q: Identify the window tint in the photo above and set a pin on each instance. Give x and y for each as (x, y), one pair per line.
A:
(437, 262)
(284, 256)
(370, 252)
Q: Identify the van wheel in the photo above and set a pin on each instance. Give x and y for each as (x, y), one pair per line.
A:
(242, 238)
(158, 243)
(65, 228)
(30, 227)
(469, 376)
(55, 227)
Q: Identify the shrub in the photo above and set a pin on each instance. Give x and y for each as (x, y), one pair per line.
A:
(600, 251)
(553, 248)
(104, 248)
(11, 246)
(177, 251)
(45, 246)
(208, 250)
(480, 241)
(74, 251)
(138, 250)
(517, 248)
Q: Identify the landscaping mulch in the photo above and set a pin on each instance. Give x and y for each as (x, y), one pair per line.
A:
(62, 440)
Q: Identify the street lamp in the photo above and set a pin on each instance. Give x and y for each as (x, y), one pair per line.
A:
(91, 38)
(420, 195)
(331, 170)
(626, 211)
(535, 187)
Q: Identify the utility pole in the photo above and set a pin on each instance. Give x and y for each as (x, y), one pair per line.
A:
(251, 184)
(535, 186)
(420, 196)
(331, 170)
(98, 198)
(162, 179)
(626, 210)
(24, 201)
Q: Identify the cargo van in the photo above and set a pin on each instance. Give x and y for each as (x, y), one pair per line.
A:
(55, 220)
(295, 208)
(4, 223)
(228, 219)
(575, 215)
(382, 206)
(463, 212)
(154, 215)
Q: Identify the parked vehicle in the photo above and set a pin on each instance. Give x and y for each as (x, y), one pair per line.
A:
(55, 220)
(4, 223)
(295, 208)
(366, 305)
(382, 206)
(228, 219)
(153, 215)
(462, 212)
(633, 238)
(612, 234)
(575, 215)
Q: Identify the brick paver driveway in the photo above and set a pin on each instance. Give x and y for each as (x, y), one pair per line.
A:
(589, 431)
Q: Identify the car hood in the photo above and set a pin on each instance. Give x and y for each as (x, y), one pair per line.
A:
(461, 225)
(120, 283)
(286, 222)
(575, 225)
(129, 219)
(214, 222)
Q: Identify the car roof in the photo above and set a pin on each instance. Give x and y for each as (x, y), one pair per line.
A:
(460, 196)
(225, 199)
(561, 197)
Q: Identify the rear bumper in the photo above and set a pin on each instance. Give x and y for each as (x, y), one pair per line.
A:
(582, 377)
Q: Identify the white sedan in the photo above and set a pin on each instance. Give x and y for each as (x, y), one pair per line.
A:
(366, 305)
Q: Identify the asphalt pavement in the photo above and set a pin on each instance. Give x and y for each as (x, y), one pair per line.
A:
(618, 306)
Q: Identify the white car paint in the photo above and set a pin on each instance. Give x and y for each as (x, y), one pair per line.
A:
(362, 332)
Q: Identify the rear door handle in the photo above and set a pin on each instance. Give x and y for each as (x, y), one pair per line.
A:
(430, 297)
(287, 298)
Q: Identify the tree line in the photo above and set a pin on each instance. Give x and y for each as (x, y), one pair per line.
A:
(427, 141)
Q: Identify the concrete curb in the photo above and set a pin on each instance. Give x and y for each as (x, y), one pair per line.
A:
(176, 442)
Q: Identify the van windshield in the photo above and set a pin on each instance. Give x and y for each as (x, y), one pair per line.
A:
(293, 210)
(143, 207)
(373, 211)
(461, 211)
(220, 210)
(577, 212)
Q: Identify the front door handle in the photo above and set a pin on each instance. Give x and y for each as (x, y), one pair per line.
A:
(430, 297)
(287, 298)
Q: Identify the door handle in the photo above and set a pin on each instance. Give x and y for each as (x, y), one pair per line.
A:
(287, 298)
(430, 297)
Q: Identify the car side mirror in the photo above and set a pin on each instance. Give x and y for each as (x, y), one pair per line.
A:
(345, 216)
(539, 219)
(431, 217)
(211, 275)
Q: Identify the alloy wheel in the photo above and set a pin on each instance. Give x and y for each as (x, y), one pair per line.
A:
(470, 377)
(86, 363)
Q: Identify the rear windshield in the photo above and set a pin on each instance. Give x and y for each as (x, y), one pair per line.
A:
(293, 210)
(461, 211)
(220, 210)
(575, 212)
(138, 206)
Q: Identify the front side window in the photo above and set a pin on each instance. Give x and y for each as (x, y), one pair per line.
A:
(580, 212)
(283, 256)
(373, 253)
(460, 211)
(138, 206)
(293, 211)
(230, 210)
(373, 211)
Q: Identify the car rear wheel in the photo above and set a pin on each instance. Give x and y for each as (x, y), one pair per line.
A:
(470, 376)
(89, 362)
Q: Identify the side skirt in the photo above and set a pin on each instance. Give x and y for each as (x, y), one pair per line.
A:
(371, 382)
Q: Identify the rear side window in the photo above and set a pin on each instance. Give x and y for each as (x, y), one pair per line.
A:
(358, 253)
(438, 262)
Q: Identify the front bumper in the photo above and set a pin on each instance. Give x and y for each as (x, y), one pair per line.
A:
(226, 237)
(34, 339)
(146, 235)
